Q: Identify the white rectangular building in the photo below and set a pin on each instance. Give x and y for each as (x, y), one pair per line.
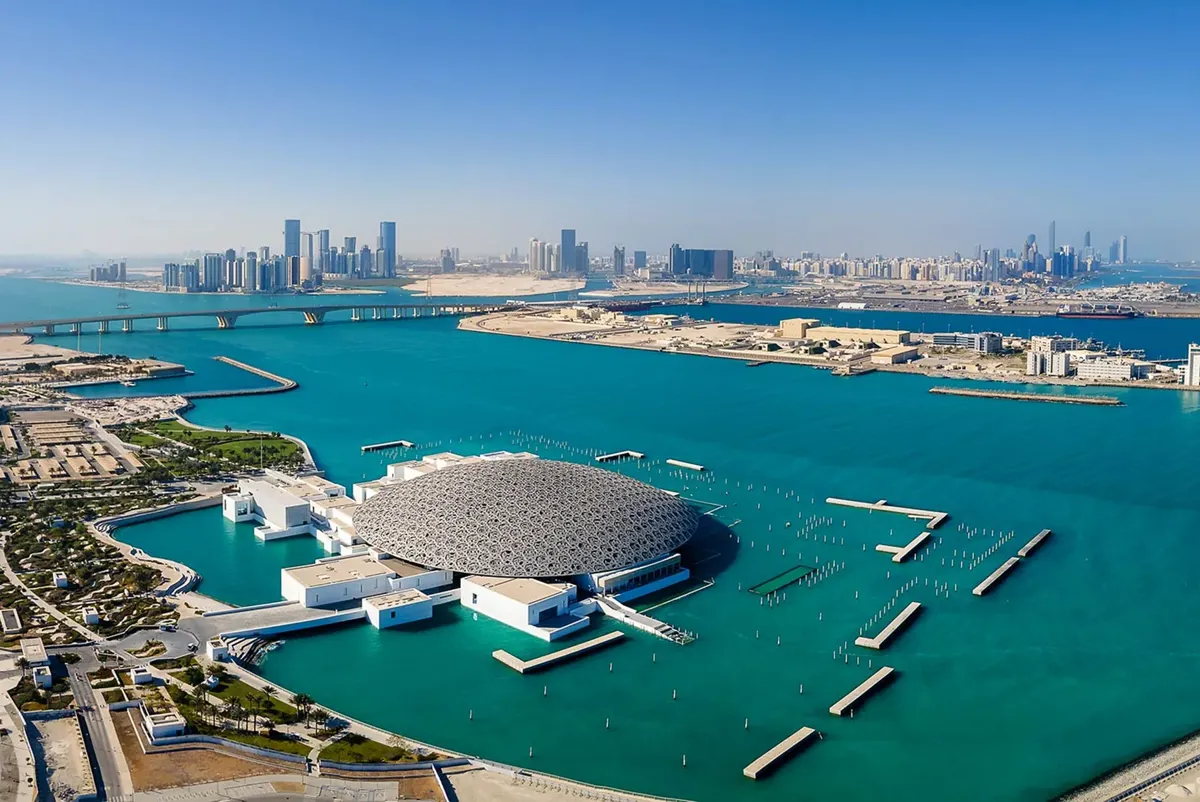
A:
(530, 605)
(342, 579)
(401, 607)
(279, 513)
(1191, 369)
(1114, 369)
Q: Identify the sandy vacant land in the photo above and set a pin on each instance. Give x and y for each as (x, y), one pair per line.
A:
(492, 286)
(481, 785)
(630, 288)
(172, 769)
(59, 745)
(21, 346)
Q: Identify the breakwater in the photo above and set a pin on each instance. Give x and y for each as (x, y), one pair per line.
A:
(1010, 395)
(282, 383)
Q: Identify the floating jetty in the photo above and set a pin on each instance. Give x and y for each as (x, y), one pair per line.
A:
(620, 455)
(986, 585)
(933, 517)
(770, 760)
(1028, 548)
(554, 658)
(691, 466)
(1047, 398)
(389, 444)
(906, 552)
(782, 580)
(872, 684)
(897, 624)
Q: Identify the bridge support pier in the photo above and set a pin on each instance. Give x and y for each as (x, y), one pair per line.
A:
(162, 323)
(313, 318)
(377, 313)
(49, 329)
(75, 328)
(356, 314)
(103, 327)
(226, 321)
(127, 325)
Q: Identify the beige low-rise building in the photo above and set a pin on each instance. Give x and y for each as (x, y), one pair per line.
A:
(809, 329)
(896, 355)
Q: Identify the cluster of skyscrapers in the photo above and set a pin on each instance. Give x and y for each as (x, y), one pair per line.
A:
(565, 257)
(113, 271)
(306, 259)
(570, 258)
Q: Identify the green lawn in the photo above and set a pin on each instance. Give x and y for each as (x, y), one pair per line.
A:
(352, 748)
(244, 446)
(231, 689)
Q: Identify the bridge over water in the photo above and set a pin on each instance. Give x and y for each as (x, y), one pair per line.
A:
(227, 318)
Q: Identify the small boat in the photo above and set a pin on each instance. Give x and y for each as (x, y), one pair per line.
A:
(128, 383)
(122, 305)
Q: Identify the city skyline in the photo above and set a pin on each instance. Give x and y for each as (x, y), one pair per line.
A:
(872, 130)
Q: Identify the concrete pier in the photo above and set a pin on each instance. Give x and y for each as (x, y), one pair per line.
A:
(620, 455)
(906, 552)
(933, 517)
(1047, 398)
(389, 444)
(872, 684)
(897, 624)
(1029, 547)
(691, 466)
(986, 585)
(547, 660)
(772, 758)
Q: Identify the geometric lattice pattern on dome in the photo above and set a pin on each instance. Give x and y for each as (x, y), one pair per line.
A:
(525, 518)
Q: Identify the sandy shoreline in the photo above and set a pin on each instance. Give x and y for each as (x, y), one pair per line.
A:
(491, 286)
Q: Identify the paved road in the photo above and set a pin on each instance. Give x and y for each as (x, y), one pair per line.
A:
(105, 754)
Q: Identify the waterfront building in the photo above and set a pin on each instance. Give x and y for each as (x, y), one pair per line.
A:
(618, 266)
(1114, 369)
(1191, 369)
(639, 260)
(536, 257)
(808, 329)
(387, 244)
(895, 355)
(448, 260)
(582, 261)
(567, 251)
(715, 264)
(336, 580)
(291, 238)
(1052, 344)
(250, 278)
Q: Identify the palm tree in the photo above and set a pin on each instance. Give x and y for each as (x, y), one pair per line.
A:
(234, 711)
(320, 717)
(269, 693)
(303, 703)
(23, 664)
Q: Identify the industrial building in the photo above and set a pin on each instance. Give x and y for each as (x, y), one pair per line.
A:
(809, 329)
(985, 342)
(1191, 368)
(1120, 369)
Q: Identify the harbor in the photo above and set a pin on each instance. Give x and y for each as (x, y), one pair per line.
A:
(1046, 398)
(865, 690)
(893, 628)
(770, 760)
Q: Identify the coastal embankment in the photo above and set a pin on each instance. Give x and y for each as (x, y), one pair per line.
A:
(282, 383)
(1045, 398)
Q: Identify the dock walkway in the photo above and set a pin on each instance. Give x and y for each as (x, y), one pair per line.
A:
(770, 759)
(986, 585)
(897, 623)
(872, 684)
(389, 444)
(620, 455)
(933, 517)
(1028, 548)
(908, 551)
(547, 660)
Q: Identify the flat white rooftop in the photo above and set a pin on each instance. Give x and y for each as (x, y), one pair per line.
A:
(525, 591)
(398, 599)
(33, 650)
(261, 489)
(347, 569)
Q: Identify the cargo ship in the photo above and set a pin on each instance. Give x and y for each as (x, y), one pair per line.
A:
(1097, 311)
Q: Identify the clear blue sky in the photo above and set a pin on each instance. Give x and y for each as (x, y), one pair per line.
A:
(901, 128)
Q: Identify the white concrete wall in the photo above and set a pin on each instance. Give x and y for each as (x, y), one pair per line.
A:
(425, 581)
(395, 616)
(506, 610)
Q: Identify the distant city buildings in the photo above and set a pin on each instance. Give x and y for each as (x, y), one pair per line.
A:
(291, 238)
(714, 264)
(567, 249)
(387, 244)
(113, 271)
(618, 264)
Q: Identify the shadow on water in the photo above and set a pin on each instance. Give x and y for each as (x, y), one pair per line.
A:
(711, 550)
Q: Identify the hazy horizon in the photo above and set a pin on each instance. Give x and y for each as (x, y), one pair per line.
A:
(911, 130)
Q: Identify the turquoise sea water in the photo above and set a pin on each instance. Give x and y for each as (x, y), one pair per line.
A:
(1081, 659)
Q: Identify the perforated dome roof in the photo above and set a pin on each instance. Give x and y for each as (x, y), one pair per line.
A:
(525, 518)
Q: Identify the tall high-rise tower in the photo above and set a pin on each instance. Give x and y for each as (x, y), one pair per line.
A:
(618, 260)
(567, 251)
(291, 238)
(1050, 249)
(1087, 239)
(1123, 250)
(387, 244)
